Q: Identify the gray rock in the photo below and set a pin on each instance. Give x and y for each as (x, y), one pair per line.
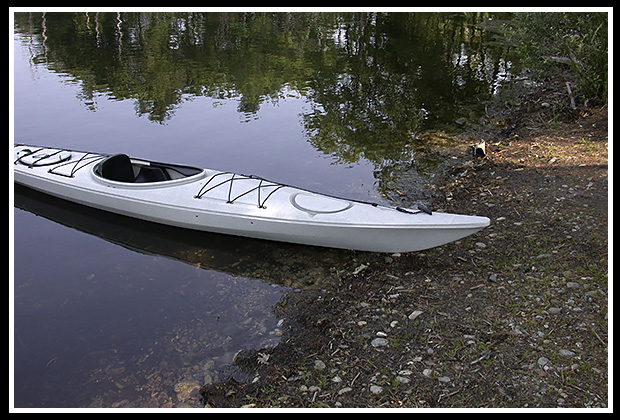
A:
(376, 389)
(319, 365)
(345, 390)
(379, 342)
(415, 314)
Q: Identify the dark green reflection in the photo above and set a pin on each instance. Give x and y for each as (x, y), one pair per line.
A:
(374, 81)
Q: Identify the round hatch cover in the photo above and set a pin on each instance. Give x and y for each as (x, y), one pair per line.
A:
(313, 203)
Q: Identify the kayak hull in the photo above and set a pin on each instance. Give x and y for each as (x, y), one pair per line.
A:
(239, 205)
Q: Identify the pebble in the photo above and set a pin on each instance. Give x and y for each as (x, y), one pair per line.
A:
(542, 361)
(345, 390)
(567, 353)
(319, 365)
(184, 388)
(376, 389)
(415, 314)
(379, 342)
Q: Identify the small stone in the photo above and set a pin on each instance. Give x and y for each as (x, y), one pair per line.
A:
(319, 365)
(567, 353)
(554, 310)
(184, 388)
(415, 314)
(345, 390)
(376, 389)
(444, 379)
(379, 342)
(481, 245)
(542, 361)
(427, 372)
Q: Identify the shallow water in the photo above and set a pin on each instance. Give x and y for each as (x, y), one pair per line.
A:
(113, 312)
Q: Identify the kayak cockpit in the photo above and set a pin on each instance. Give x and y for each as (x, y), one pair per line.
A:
(121, 168)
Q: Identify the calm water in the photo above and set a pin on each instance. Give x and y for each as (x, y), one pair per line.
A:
(113, 312)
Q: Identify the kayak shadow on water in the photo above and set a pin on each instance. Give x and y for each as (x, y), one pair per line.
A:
(291, 265)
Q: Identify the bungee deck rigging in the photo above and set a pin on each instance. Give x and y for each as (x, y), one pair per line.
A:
(233, 177)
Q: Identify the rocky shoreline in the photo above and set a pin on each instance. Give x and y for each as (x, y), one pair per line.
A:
(515, 316)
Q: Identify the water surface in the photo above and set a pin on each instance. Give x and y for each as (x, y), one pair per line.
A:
(114, 312)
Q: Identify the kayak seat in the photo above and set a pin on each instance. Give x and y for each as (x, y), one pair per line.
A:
(118, 168)
(151, 174)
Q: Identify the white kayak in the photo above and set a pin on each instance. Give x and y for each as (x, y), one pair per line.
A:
(235, 204)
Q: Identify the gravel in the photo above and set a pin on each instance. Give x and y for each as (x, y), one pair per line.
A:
(513, 317)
